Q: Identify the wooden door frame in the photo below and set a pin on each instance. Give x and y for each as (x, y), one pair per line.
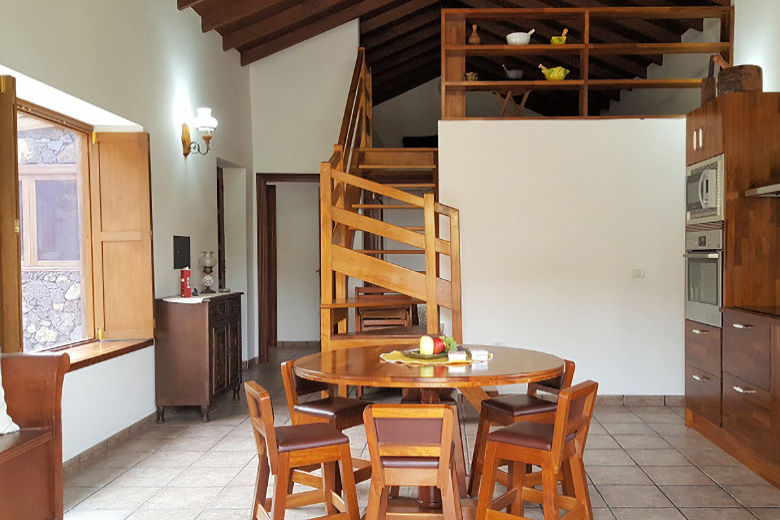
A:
(265, 197)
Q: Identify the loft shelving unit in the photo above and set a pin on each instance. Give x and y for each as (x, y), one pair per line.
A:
(456, 24)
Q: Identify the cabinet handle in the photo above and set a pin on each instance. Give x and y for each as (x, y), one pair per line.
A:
(742, 390)
(742, 325)
(699, 331)
(694, 140)
(701, 137)
(697, 377)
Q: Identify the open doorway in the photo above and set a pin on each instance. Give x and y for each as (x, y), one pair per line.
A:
(288, 261)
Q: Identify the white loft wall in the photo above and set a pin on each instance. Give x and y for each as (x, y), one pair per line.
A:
(150, 63)
(555, 217)
(298, 97)
(756, 41)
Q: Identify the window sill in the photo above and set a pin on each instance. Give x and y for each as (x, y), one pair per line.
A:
(93, 352)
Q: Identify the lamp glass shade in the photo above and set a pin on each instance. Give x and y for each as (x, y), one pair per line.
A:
(204, 121)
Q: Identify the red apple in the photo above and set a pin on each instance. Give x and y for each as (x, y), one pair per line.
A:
(438, 345)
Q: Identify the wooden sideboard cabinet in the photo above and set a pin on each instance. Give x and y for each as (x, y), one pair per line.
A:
(197, 351)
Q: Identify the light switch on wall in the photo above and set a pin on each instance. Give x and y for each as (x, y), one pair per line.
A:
(638, 272)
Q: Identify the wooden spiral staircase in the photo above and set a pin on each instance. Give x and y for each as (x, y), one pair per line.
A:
(359, 187)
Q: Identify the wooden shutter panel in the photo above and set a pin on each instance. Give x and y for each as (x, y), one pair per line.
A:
(10, 246)
(122, 235)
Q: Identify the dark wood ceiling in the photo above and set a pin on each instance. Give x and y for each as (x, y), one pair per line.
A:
(402, 38)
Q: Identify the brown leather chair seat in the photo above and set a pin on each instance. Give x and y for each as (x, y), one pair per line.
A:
(333, 407)
(530, 435)
(519, 405)
(308, 436)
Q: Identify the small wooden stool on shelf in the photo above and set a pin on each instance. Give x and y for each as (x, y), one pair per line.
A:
(557, 448)
(411, 445)
(509, 409)
(283, 450)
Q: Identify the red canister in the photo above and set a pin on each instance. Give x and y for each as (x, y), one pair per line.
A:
(186, 291)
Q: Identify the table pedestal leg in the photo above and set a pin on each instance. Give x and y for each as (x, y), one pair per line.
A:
(429, 496)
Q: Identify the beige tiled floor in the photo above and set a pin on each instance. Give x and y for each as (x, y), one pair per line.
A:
(642, 462)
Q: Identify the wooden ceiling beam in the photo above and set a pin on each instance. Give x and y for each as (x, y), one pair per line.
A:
(406, 8)
(430, 60)
(656, 32)
(320, 25)
(292, 18)
(399, 58)
(401, 28)
(380, 52)
(224, 14)
(399, 85)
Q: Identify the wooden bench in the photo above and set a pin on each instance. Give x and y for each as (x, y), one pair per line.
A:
(31, 459)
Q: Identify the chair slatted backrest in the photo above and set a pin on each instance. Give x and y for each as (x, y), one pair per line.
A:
(556, 384)
(295, 386)
(409, 431)
(575, 411)
(261, 414)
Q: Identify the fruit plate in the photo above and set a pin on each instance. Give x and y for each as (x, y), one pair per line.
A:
(414, 353)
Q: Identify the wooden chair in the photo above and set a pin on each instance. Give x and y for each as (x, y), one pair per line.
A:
(283, 450)
(509, 409)
(369, 318)
(31, 459)
(557, 448)
(411, 445)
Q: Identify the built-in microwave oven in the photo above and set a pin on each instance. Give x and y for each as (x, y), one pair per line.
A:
(704, 191)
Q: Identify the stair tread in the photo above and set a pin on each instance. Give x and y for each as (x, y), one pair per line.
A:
(397, 167)
(390, 251)
(397, 332)
(384, 206)
(399, 150)
(411, 184)
(386, 301)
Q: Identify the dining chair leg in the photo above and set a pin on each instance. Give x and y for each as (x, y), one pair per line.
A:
(280, 488)
(517, 471)
(580, 483)
(348, 483)
(549, 492)
(261, 483)
(476, 462)
(487, 482)
(395, 491)
(328, 485)
(460, 459)
(375, 499)
(567, 479)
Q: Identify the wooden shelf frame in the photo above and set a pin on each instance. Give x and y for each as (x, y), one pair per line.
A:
(455, 50)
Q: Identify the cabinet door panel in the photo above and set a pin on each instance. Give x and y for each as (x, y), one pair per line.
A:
(747, 414)
(219, 363)
(234, 351)
(746, 347)
(702, 346)
(702, 394)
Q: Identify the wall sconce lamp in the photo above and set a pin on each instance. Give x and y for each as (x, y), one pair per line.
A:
(206, 124)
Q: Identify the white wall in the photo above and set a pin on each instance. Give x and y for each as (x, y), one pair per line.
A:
(555, 217)
(147, 62)
(756, 42)
(298, 97)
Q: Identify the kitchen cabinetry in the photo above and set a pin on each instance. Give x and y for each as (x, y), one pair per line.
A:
(732, 384)
(197, 351)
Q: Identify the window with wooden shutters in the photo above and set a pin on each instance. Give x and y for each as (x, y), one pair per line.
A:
(122, 235)
(10, 247)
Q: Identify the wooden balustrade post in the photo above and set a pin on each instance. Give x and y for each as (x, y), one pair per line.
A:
(326, 261)
(457, 319)
(431, 280)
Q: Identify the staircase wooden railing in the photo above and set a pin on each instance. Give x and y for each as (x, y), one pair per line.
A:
(341, 188)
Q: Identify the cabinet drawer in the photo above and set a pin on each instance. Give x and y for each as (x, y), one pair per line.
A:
(747, 347)
(702, 346)
(702, 393)
(747, 414)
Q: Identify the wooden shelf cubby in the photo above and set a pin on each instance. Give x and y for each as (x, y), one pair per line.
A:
(580, 54)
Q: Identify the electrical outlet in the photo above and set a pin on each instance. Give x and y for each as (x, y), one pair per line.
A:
(638, 272)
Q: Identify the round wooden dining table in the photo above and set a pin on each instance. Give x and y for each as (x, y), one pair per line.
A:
(362, 366)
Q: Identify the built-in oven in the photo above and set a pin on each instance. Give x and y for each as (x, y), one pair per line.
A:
(704, 191)
(704, 276)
